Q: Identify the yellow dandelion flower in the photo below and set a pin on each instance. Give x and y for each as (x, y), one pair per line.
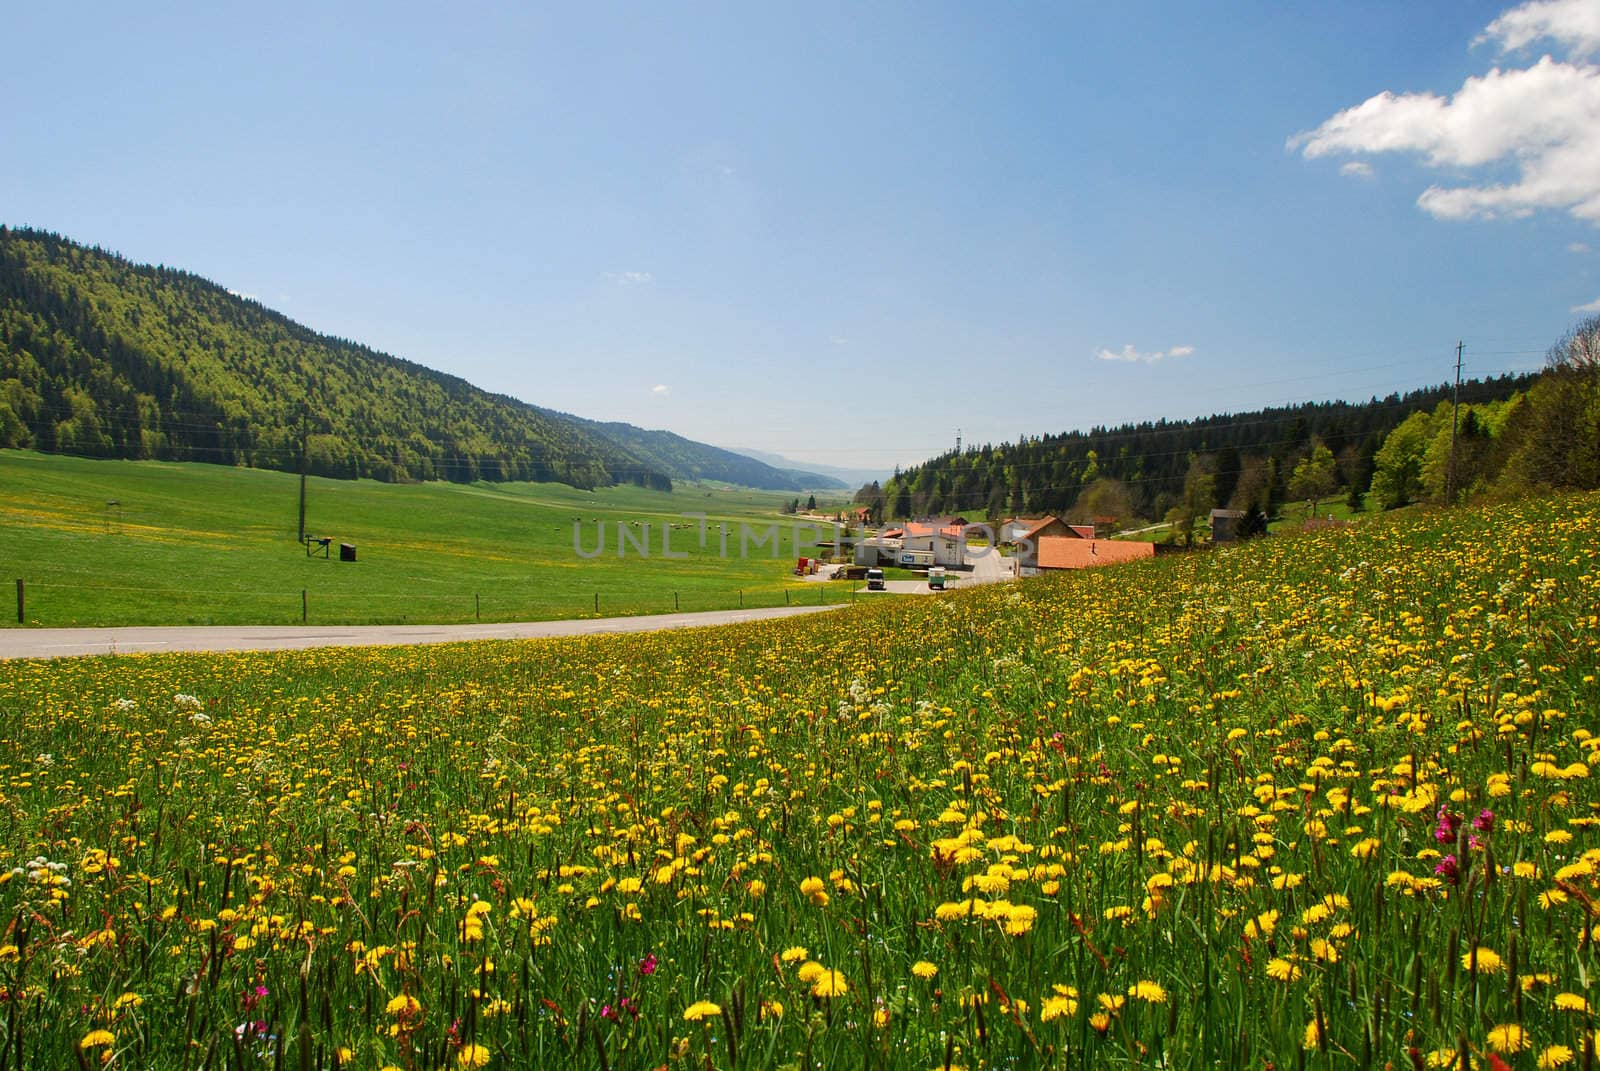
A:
(1488, 960)
(952, 910)
(1313, 1036)
(1571, 1002)
(813, 889)
(794, 954)
(1282, 970)
(810, 971)
(472, 1056)
(1555, 1056)
(1508, 1038)
(1149, 992)
(701, 1009)
(830, 984)
(1057, 1007)
(1365, 849)
(1100, 1021)
(95, 1039)
(404, 1005)
(923, 969)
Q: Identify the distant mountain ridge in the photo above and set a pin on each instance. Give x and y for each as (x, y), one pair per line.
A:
(848, 477)
(687, 459)
(104, 357)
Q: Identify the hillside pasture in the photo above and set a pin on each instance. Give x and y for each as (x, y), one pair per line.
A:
(122, 542)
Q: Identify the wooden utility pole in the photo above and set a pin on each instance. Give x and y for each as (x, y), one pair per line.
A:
(1455, 424)
(302, 536)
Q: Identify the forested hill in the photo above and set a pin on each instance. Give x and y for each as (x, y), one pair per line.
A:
(103, 357)
(1149, 462)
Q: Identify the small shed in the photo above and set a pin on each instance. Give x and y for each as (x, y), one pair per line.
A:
(1225, 525)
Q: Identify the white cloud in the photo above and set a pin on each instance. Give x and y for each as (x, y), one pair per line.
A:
(1574, 23)
(1578, 247)
(1593, 306)
(1357, 168)
(838, 340)
(660, 388)
(1540, 122)
(241, 294)
(630, 278)
(1133, 356)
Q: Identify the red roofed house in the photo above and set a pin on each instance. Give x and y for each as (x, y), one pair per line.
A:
(1064, 552)
(947, 543)
(1027, 540)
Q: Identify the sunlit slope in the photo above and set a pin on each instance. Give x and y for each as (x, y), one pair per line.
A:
(197, 544)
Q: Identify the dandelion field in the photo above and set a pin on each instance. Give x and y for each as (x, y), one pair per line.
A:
(1324, 800)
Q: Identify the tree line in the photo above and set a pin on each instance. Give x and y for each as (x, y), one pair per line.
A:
(1535, 430)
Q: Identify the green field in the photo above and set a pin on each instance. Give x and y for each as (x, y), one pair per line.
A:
(203, 544)
(1323, 800)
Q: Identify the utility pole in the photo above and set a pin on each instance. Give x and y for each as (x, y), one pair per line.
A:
(1455, 424)
(302, 474)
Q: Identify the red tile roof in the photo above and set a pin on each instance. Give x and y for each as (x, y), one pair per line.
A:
(1073, 552)
(914, 530)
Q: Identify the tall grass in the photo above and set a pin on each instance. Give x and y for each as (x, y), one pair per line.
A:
(1324, 800)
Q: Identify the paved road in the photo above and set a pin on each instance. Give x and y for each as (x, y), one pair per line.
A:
(68, 642)
(990, 568)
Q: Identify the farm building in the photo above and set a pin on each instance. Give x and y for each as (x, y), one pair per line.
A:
(1027, 559)
(1075, 552)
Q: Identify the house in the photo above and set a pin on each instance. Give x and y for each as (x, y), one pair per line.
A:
(1075, 552)
(1225, 525)
(879, 550)
(1026, 563)
(946, 542)
(1011, 528)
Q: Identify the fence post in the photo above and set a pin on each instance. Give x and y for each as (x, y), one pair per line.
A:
(674, 602)
(786, 596)
(741, 598)
(822, 594)
(20, 613)
(597, 603)
(477, 607)
(302, 606)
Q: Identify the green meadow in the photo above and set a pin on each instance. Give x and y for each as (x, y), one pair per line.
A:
(1325, 800)
(121, 542)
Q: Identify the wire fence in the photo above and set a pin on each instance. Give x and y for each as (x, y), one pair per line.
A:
(56, 603)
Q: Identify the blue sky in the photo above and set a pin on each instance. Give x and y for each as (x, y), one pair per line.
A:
(839, 232)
